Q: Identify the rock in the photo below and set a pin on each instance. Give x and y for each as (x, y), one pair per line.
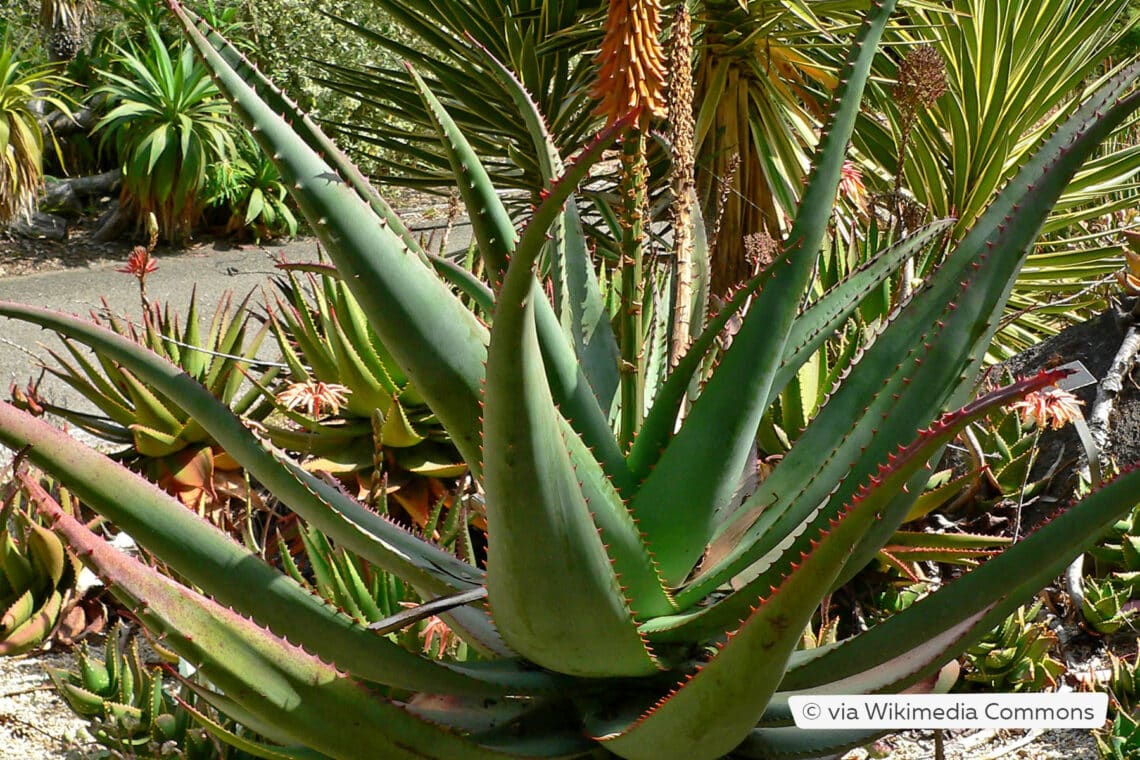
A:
(69, 194)
(1095, 344)
(111, 224)
(41, 226)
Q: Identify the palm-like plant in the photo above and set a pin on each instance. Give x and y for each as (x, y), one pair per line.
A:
(249, 188)
(1010, 71)
(62, 23)
(21, 142)
(168, 123)
(763, 77)
(634, 608)
(542, 40)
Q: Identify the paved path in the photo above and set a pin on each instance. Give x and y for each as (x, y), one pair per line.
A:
(78, 291)
(213, 270)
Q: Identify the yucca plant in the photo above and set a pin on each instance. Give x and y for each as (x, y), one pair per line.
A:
(168, 123)
(632, 606)
(542, 40)
(21, 142)
(956, 150)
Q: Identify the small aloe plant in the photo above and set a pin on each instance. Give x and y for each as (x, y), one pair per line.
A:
(1016, 655)
(1121, 740)
(1105, 605)
(381, 439)
(37, 575)
(128, 708)
(629, 604)
(152, 433)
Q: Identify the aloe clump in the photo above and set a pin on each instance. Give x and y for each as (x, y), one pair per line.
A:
(381, 441)
(128, 708)
(148, 430)
(634, 601)
(37, 575)
(1016, 655)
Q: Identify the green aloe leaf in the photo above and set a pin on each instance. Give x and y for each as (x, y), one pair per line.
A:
(532, 486)
(405, 302)
(947, 324)
(871, 498)
(498, 242)
(577, 297)
(233, 575)
(238, 656)
(914, 643)
(698, 472)
(380, 541)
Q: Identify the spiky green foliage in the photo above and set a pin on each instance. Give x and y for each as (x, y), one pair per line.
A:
(149, 430)
(1005, 449)
(382, 442)
(1121, 740)
(960, 150)
(633, 602)
(542, 41)
(37, 574)
(1123, 681)
(250, 191)
(167, 123)
(1103, 606)
(1016, 655)
(21, 142)
(128, 708)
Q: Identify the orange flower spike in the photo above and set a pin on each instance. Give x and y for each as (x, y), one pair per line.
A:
(631, 67)
(1051, 407)
(139, 263)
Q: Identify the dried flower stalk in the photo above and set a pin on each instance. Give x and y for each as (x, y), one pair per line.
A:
(681, 172)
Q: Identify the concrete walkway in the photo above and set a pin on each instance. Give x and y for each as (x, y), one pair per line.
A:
(78, 291)
(212, 268)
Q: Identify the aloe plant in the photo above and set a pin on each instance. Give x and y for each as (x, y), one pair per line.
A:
(1104, 606)
(128, 709)
(1016, 655)
(629, 604)
(37, 576)
(1121, 740)
(381, 440)
(149, 430)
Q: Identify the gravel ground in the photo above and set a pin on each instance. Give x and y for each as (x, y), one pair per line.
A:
(35, 724)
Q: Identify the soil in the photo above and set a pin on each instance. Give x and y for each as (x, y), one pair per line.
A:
(22, 256)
